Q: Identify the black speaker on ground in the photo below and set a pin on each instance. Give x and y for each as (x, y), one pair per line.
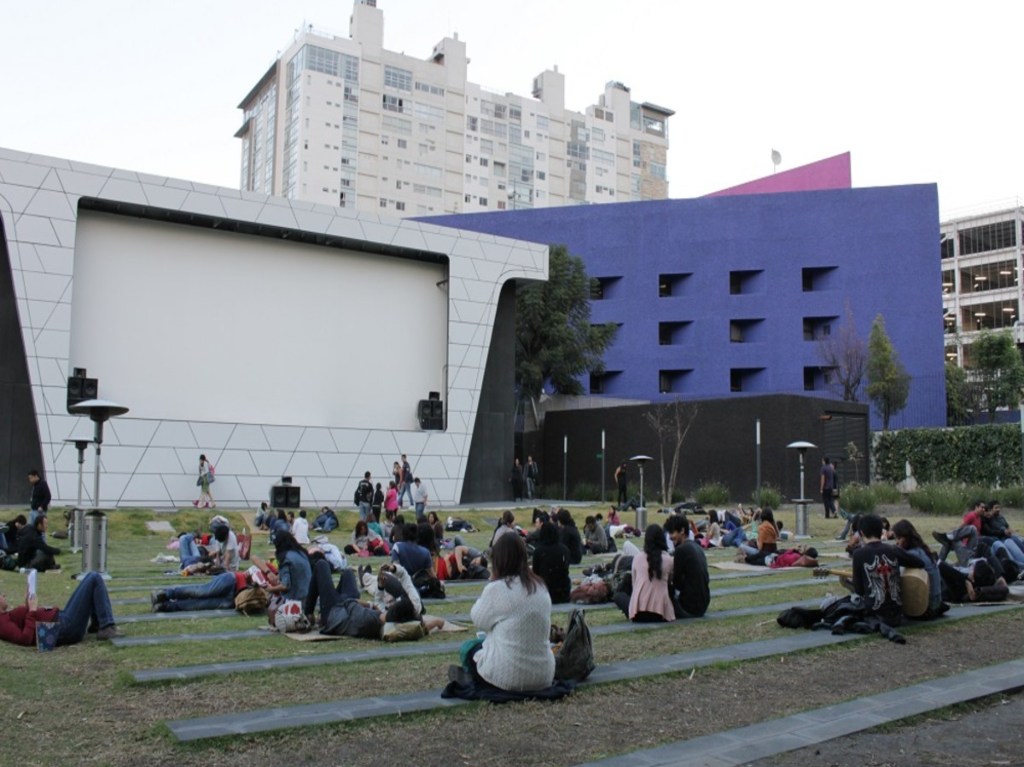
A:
(285, 496)
(430, 413)
(81, 388)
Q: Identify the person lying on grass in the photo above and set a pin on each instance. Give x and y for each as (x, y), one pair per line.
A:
(87, 610)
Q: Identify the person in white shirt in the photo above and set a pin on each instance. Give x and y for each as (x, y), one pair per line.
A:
(300, 528)
(419, 498)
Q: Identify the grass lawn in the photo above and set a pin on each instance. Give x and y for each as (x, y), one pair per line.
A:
(79, 705)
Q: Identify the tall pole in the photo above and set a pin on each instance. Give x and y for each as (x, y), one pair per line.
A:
(802, 496)
(565, 467)
(603, 496)
(1022, 439)
(757, 441)
(98, 439)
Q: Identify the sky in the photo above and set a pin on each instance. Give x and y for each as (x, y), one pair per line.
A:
(919, 92)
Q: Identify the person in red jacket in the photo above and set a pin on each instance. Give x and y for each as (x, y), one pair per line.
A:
(89, 605)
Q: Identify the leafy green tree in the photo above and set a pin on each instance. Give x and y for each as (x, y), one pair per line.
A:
(555, 342)
(888, 381)
(999, 369)
(960, 396)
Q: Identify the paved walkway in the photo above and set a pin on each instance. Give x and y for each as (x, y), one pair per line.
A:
(765, 739)
(268, 720)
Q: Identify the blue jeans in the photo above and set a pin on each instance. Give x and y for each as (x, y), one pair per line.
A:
(420, 507)
(90, 602)
(364, 510)
(1012, 549)
(323, 590)
(406, 488)
(218, 593)
(747, 549)
(188, 550)
(734, 537)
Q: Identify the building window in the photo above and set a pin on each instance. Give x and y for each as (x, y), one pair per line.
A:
(979, 239)
(397, 78)
(604, 383)
(603, 288)
(672, 381)
(672, 285)
(746, 379)
(746, 331)
(673, 333)
(815, 278)
(746, 281)
(818, 328)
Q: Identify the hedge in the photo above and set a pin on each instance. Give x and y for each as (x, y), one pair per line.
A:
(984, 455)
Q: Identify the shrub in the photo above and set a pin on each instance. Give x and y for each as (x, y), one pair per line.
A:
(886, 493)
(768, 495)
(939, 498)
(989, 455)
(586, 491)
(712, 494)
(1010, 496)
(857, 498)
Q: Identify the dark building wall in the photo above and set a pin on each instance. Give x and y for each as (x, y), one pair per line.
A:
(20, 448)
(748, 279)
(491, 451)
(720, 447)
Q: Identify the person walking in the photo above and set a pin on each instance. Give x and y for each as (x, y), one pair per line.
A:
(828, 482)
(206, 478)
(621, 480)
(406, 485)
(531, 477)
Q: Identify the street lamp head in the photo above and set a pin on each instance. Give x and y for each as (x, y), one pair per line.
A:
(98, 410)
(641, 458)
(801, 445)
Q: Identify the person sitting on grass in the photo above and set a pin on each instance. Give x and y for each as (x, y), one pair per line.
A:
(690, 587)
(551, 563)
(514, 610)
(876, 572)
(647, 599)
(88, 609)
(767, 540)
(569, 535)
(366, 542)
(909, 539)
(34, 553)
(293, 569)
(223, 545)
(595, 538)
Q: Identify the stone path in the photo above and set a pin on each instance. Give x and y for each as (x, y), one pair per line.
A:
(765, 739)
(268, 720)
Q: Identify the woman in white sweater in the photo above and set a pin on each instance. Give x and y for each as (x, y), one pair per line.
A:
(515, 611)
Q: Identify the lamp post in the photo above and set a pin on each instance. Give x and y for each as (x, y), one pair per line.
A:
(801, 446)
(78, 520)
(94, 551)
(641, 511)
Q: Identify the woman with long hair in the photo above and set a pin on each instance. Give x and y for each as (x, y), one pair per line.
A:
(650, 600)
(767, 540)
(515, 611)
(551, 562)
(908, 538)
(293, 569)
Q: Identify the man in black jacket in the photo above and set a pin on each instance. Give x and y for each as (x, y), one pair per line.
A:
(33, 551)
(691, 588)
(40, 502)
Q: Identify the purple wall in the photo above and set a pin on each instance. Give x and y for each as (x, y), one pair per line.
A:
(830, 173)
(761, 269)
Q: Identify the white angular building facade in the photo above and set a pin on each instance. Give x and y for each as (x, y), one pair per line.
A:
(251, 328)
(342, 121)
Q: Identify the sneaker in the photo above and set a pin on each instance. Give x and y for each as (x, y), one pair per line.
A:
(940, 537)
(110, 632)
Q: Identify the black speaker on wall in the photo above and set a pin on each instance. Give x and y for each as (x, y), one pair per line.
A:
(81, 388)
(430, 413)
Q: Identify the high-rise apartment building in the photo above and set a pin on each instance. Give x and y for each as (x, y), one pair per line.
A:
(342, 121)
(981, 279)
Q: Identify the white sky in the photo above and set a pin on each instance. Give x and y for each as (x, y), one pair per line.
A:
(917, 91)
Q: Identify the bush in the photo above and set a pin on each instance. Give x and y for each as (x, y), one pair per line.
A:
(712, 494)
(768, 495)
(857, 498)
(989, 455)
(1010, 496)
(586, 491)
(886, 493)
(939, 498)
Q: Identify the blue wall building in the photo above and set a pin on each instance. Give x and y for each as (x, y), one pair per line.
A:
(730, 295)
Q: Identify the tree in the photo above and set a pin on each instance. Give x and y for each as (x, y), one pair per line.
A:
(671, 421)
(999, 369)
(961, 396)
(844, 353)
(888, 382)
(555, 342)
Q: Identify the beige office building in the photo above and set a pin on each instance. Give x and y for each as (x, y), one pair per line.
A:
(981, 279)
(342, 121)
